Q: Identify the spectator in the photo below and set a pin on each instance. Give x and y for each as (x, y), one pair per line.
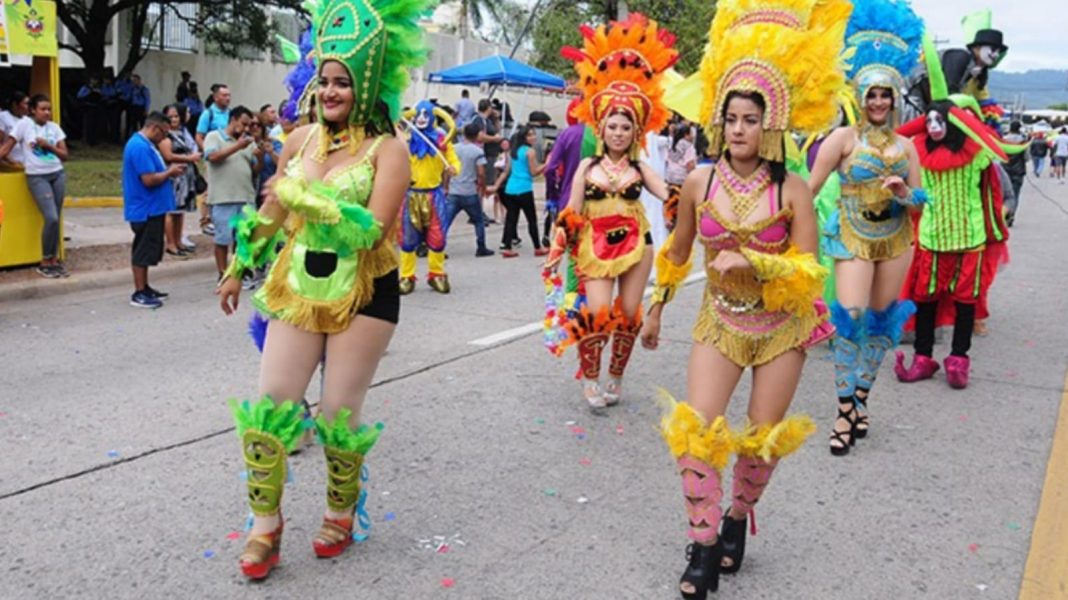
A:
(140, 101)
(519, 192)
(268, 118)
(44, 150)
(112, 109)
(183, 88)
(490, 137)
(1039, 151)
(217, 114)
(281, 131)
(1060, 154)
(148, 195)
(17, 109)
(194, 106)
(232, 162)
(503, 112)
(1016, 169)
(465, 189)
(91, 101)
(465, 110)
(268, 152)
(179, 147)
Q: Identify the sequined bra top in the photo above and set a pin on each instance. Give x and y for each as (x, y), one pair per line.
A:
(770, 235)
(353, 181)
(594, 191)
(863, 173)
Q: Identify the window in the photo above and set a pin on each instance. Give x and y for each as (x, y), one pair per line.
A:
(169, 27)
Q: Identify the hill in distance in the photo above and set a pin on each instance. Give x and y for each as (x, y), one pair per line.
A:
(1037, 88)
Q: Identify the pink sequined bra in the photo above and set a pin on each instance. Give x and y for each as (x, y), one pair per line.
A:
(769, 235)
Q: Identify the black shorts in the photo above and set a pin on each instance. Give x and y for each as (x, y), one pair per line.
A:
(385, 303)
(147, 249)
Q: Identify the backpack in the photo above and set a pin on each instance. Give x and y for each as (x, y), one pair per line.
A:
(1039, 149)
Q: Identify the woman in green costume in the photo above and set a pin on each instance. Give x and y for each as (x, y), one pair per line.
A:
(332, 290)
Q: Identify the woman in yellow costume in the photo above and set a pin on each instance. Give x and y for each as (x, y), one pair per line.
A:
(771, 68)
(620, 69)
(869, 235)
(333, 289)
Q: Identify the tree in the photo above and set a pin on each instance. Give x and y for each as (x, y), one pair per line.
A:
(1061, 106)
(558, 27)
(473, 15)
(227, 25)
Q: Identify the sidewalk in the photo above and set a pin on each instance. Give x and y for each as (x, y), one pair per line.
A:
(98, 255)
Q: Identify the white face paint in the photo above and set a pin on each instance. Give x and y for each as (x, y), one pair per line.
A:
(936, 125)
(988, 55)
(422, 120)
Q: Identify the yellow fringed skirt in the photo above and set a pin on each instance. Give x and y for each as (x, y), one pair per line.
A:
(613, 238)
(874, 240)
(738, 325)
(280, 299)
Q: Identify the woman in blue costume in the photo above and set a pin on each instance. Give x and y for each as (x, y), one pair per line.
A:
(870, 234)
(333, 289)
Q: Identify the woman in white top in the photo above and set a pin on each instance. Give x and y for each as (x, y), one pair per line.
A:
(19, 106)
(681, 159)
(43, 152)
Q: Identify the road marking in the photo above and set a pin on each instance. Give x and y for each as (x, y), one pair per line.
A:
(529, 328)
(1046, 574)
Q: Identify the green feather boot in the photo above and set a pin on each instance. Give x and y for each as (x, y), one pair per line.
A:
(345, 450)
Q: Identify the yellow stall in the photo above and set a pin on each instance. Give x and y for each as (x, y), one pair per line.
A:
(33, 34)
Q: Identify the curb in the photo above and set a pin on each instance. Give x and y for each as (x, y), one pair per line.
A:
(93, 280)
(93, 202)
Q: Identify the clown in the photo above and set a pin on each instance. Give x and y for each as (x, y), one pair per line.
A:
(620, 69)
(332, 291)
(968, 70)
(869, 234)
(962, 233)
(424, 217)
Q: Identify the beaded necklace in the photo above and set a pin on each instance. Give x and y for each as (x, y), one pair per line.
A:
(744, 192)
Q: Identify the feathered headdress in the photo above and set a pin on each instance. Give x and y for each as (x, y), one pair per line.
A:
(885, 38)
(377, 41)
(788, 52)
(620, 71)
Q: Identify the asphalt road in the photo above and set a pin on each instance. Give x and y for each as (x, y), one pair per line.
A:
(120, 472)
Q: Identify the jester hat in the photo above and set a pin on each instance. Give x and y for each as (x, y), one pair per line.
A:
(787, 51)
(620, 70)
(884, 39)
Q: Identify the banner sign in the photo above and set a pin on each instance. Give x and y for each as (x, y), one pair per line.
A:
(31, 27)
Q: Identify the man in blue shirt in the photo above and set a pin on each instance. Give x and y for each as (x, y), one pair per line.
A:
(148, 195)
(139, 101)
(217, 115)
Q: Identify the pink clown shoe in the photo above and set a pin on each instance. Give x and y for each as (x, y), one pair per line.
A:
(957, 368)
(923, 367)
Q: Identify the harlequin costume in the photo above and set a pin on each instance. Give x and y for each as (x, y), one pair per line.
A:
(425, 211)
(964, 74)
(871, 223)
(962, 232)
(331, 268)
(752, 316)
(620, 71)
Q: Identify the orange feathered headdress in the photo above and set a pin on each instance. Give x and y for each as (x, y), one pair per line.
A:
(620, 71)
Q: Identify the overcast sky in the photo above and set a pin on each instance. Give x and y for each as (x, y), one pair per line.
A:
(1036, 31)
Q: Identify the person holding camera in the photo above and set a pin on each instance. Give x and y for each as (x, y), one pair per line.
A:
(233, 162)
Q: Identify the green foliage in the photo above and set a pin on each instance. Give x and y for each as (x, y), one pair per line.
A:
(558, 24)
(1059, 106)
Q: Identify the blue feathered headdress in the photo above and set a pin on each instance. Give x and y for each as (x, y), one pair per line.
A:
(297, 79)
(885, 37)
(417, 144)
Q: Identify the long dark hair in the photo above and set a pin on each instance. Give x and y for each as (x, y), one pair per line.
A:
(680, 132)
(778, 168)
(519, 138)
(182, 111)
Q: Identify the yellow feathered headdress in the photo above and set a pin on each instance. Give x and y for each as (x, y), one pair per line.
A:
(620, 71)
(789, 52)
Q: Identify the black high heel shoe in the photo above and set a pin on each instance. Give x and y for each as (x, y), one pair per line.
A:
(861, 430)
(845, 439)
(732, 538)
(703, 571)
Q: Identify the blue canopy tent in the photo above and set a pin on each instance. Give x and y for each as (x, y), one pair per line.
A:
(499, 70)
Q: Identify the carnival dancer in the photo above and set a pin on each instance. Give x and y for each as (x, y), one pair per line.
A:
(333, 289)
(870, 234)
(761, 304)
(425, 213)
(620, 69)
(962, 232)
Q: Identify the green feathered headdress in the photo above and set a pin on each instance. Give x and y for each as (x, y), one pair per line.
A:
(377, 41)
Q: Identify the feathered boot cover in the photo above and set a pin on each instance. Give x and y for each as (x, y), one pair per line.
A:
(268, 433)
(883, 329)
(345, 450)
(623, 338)
(590, 333)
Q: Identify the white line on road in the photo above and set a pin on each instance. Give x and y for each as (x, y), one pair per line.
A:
(529, 328)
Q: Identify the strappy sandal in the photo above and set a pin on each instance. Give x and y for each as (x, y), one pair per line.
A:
(262, 553)
(845, 439)
(335, 535)
(591, 391)
(613, 391)
(861, 430)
